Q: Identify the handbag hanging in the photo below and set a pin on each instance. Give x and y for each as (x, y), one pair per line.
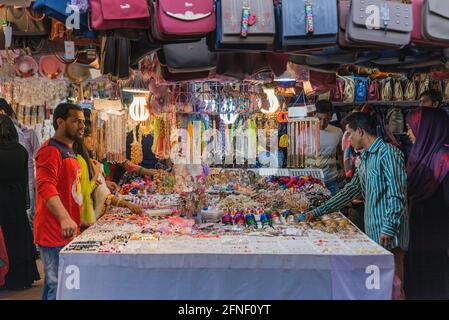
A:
(188, 57)
(254, 31)
(308, 23)
(435, 20)
(394, 28)
(57, 9)
(343, 14)
(114, 14)
(418, 35)
(179, 19)
(26, 22)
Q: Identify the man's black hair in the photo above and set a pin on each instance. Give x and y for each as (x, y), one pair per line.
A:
(7, 108)
(8, 132)
(361, 120)
(434, 95)
(324, 106)
(62, 111)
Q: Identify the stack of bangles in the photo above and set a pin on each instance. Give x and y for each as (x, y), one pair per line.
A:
(112, 200)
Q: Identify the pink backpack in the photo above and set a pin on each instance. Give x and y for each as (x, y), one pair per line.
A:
(181, 19)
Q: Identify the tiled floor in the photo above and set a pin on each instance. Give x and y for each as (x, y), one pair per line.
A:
(33, 293)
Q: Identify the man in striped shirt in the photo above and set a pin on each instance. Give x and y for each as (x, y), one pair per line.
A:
(381, 180)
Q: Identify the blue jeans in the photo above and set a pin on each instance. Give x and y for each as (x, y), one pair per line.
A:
(50, 259)
(333, 187)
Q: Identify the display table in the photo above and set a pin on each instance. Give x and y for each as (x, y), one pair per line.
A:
(301, 264)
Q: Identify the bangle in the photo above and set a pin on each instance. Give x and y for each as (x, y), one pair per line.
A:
(140, 171)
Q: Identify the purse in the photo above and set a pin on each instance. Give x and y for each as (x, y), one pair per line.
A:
(360, 89)
(373, 91)
(417, 33)
(114, 14)
(410, 91)
(188, 57)
(435, 20)
(343, 14)
(396, 16)
(387, 91)
(175, 19)
(398, 95)
(185, 76)
(229, 24)
(56, 9)
(322, 28)
(26, 22)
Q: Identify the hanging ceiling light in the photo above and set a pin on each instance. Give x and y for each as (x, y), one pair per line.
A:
(140, 89)
(138, 109)
(287, 76)
(272, 99)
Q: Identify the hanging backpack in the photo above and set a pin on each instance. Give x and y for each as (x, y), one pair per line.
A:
(373, 91)
(398, 95)
(446, 91)
(387, 91)
(410, 90)
(349, 90)
(360, 89)
(394, 120)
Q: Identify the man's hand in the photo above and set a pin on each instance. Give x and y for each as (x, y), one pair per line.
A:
(309, 217)
(68, 227)
(385, 241)
(112, 186)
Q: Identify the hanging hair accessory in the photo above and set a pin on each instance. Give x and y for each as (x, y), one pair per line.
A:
(245, 21)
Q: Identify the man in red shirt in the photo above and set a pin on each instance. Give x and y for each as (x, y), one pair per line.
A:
(59, 198)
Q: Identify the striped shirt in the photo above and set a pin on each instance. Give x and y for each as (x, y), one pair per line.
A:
(382, 181)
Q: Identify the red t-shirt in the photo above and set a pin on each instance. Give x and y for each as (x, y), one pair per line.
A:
(57, 174)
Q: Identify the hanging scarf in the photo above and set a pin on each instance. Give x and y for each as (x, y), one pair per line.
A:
(189, 142)
(428, 162)
(252, 141)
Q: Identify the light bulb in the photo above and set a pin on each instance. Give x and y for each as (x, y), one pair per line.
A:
(272, 99)
(138, 110)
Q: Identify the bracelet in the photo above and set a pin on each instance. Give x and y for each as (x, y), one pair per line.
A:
(140, 171)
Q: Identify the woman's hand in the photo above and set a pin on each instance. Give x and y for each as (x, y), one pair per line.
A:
(134, 209)
(112, 186)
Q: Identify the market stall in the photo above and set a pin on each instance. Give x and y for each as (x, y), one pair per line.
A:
(217, 100)
(250, 253)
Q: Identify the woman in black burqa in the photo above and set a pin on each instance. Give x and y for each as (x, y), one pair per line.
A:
(13, 205)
